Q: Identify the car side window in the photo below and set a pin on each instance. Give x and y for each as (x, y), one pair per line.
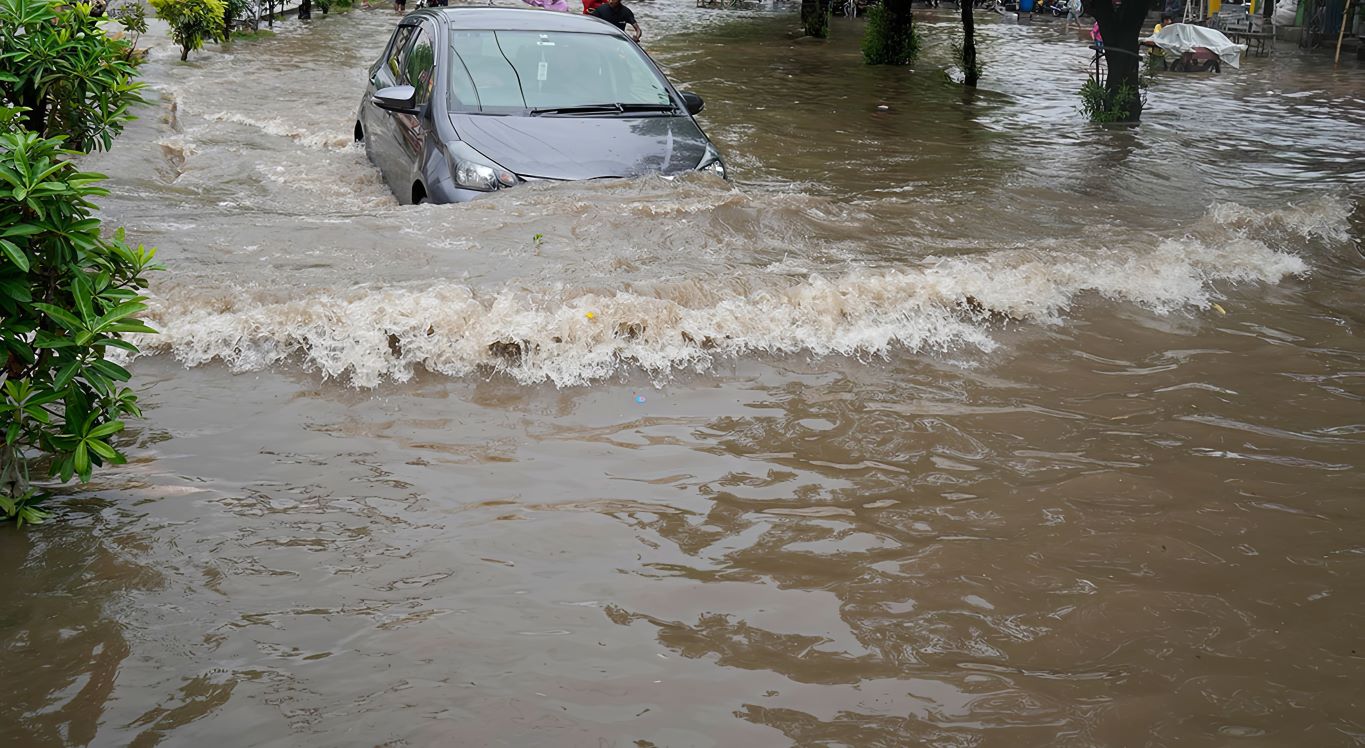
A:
(419, 65)
(392, 58)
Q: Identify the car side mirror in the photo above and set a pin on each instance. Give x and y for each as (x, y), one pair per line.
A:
(397, 99)
(694, 102)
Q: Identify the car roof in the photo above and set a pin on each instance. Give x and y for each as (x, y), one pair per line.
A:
(517, 19)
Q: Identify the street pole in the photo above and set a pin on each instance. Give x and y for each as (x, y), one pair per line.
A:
(1346, 11)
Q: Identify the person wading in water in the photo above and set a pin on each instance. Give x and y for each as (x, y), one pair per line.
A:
(614, 11)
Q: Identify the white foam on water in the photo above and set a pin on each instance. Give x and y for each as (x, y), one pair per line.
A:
(1325, 218)
(305, 134)
(572, 336)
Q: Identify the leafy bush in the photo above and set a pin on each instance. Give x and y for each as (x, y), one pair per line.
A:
(65, 75)
(66, 295)
(890, 38)
(192, 22)
(1103, 106)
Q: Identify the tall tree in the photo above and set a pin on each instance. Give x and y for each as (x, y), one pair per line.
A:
(970, 69)
(1120, 21)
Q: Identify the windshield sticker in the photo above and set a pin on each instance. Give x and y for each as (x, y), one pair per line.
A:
(542, 70)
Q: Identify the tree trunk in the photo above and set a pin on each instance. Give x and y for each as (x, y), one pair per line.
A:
(1119, 27)
(184, 52)
(815, 18)
(969, 70)
(900, 17)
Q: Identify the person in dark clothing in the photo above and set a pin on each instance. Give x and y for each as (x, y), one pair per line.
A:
(614, 11)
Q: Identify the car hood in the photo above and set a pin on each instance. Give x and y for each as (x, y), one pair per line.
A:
(551, 147)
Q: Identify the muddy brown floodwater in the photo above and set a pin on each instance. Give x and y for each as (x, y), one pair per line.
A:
(959, 423)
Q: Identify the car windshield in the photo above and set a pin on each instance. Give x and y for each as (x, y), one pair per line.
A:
(520, 71)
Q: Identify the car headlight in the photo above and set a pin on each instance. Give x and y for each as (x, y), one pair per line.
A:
(474, 171)
(476, 176)
(714, 166)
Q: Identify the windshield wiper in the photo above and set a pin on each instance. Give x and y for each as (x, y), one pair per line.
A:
(648, 107)
(614, 108)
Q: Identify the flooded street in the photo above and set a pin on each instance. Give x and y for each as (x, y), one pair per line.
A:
(958, 423)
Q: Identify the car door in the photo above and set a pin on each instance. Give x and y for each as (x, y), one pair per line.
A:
(419, 70)
(381, 126)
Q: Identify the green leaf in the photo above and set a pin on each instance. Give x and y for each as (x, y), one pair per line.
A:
(15, 254)
(81, 461)
(118, 313)
(31, 515)
(23, 229)
(111, 370)
(102, 449)
(16, 290)
(45, 339)
(130, 326)
(80, 292)
(65, 376)
(61, 316)
(116, 343)
(105, 429)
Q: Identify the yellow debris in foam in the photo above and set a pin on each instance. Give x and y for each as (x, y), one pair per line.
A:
(1219, 309)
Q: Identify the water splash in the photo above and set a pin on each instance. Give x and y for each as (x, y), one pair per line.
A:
(571, 335)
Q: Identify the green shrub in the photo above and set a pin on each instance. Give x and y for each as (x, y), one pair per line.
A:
(233, 12)
(1103, 106)
(133, 18)
(64, 73)
(890, 38)
(971, 69)
(192, 22)
(67, 294)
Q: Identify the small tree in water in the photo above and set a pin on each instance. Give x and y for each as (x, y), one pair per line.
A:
(815, 18)
(192, 22)
(890, 38)
(1119, 23)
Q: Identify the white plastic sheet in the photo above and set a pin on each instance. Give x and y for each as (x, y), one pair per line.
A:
(1286, 12)
(1184, 37)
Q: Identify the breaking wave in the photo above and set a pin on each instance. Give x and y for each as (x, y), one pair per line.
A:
(571, 335)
